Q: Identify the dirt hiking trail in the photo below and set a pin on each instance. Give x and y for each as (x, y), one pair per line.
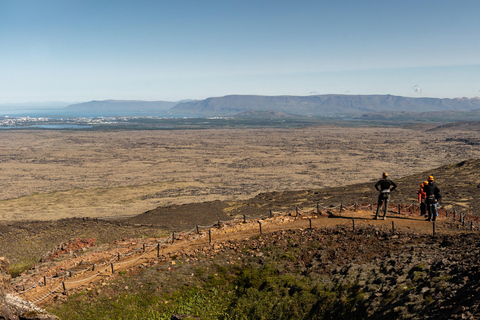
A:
(80, 271)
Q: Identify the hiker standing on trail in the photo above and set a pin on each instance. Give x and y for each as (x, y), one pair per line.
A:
(422, 196)
(433, 198)
(384, 185)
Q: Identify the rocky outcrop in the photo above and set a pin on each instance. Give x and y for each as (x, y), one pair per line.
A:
(13, 307)
(69, 247)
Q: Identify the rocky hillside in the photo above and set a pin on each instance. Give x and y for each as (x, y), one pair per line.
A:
(301, 274)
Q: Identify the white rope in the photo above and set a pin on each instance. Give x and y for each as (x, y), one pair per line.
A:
(33, 286)
(87, 279)
(48, 294)
(82, 271)
(206, 227)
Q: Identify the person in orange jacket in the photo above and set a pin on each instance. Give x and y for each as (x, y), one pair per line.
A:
(422, 196)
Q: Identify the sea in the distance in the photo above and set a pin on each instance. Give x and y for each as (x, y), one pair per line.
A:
(62, 113)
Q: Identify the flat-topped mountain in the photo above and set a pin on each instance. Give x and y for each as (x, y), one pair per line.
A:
(322, 105)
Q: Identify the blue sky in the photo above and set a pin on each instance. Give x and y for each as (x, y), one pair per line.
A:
(171, 50)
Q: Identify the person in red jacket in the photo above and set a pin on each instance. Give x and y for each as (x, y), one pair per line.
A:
(422, 196)
(384, 185)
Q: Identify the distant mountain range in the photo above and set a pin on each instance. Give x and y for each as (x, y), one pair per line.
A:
(368, 106)
(323, 105)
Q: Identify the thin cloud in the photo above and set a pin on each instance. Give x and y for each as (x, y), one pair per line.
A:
(417, 88)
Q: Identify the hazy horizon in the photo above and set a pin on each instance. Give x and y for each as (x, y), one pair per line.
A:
(149, 50)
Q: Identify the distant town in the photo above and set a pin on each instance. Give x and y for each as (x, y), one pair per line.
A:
(19, 122)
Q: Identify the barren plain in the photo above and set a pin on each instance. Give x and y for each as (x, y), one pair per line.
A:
(50, 174)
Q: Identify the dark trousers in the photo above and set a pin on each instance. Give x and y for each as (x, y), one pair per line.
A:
(383, 198)
(423, 208)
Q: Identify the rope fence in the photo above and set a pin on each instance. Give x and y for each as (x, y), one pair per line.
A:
(199, 232)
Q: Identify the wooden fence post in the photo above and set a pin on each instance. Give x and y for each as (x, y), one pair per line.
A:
(399, 208)
(113, 270)
(260, 224)
(209, 236)
(318, 209)
(244, 219)
(64, 288)
(44, 280)
(158, 250)
(341, 207)
(173, 237)
(310, 220)
(393, 226)
(355, 207)
(353, 224)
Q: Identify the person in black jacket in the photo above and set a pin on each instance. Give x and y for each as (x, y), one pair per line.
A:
(433, 198)
(384, 185)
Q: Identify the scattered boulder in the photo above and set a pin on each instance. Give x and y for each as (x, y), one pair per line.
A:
(13, 307)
